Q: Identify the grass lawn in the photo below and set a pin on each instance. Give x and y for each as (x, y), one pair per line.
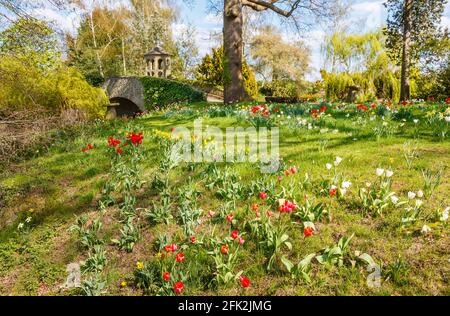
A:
(42, 196)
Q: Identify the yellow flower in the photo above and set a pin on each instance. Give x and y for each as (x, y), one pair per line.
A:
(140, 265)
(31, 210)
(158, 255)
(123, 284)
(391, 160)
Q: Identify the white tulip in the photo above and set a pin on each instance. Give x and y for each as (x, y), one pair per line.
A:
(447, 119)
(389, 173)
(419, 203)
(368, 184)
(416, 121)
(425, 229)
(411, 195)
(343, 191)
(328, 166)
(420, 193)
(380, 172)
(346, 184)
(444, 216)
(394, 199)
(338, 161)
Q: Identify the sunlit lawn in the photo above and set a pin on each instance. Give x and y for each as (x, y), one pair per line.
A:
(61, 182)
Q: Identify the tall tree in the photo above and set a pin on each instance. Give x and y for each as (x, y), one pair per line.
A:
(299, 12)
(99, 48)
(32, 42)
(277, 59)
(410, 24)
(187, 50)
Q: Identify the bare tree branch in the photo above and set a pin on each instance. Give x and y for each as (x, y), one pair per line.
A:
(261, 5)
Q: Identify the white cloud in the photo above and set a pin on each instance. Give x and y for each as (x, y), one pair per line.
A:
(213, 19)
(445, 22)
(67, 22)
(367, 7)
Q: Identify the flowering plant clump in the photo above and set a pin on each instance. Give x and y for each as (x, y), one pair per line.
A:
(260, 116)
(377, 196)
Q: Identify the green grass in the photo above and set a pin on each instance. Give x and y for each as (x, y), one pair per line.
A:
(61, 182)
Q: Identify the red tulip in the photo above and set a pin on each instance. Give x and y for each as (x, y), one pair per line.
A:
(180, 257)
(255, 207)
(224, 249)
(119, 150)
(235, 234)
(174, 247)
(178, 287)
(262, 195)
(193, 239)
(245, 282)
(168, 248)
(287, 207)
(241, 241)
(136, 139)
(269, 213)
(166, 276)
(230, 217)
(113, 142)
(333, 192)
(308, 231)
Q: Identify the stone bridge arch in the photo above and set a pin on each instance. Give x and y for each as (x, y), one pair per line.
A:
(128, 92)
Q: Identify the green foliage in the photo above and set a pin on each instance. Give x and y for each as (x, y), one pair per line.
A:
(163, 92)
(359, 62)
(74, 92)
(282, 88)
(211, 72)
(129, 236)
(87, 234)
(32, 42)
(24, 86)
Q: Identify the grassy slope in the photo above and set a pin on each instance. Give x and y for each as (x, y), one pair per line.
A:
(63, 182)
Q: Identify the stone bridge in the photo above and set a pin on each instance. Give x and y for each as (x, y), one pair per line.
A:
(126, 95)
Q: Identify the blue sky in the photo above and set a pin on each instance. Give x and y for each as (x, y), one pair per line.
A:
(365, 15)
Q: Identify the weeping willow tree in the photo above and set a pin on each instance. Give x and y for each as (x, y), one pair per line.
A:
(358, 68)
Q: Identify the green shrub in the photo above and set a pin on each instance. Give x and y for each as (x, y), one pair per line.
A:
(163, 92)
(26, 87)
(211, 73)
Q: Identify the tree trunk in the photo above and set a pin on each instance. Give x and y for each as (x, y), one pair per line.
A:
(234, 88)
(124, 61)
(94, 38)
(406, 53)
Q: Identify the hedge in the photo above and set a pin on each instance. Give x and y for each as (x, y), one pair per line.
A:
(164, 92)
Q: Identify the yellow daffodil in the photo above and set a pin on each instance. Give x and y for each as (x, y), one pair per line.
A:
(140, 265)
(123, 284)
